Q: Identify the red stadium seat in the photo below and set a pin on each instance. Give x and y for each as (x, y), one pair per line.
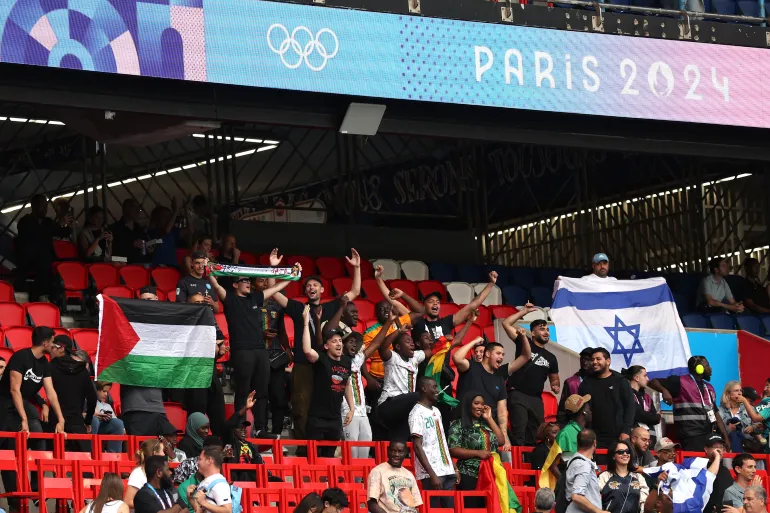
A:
(448, 309)
(162, 296)
(118, 291)
(135, 276)
(86, 339)
(550, 406)
(342, 285)
(289, 326)
(371, 290)
(409, 287)
(6, 352)
(12, 314)
(485, 317)
(307, 263)
(43, 314)
(176, 415)
(65, 250)
(489, 333)
(294, 288)
(62, 331)
(249, 258)
(428, 286)
(18, 337)
(103, 275)
(165, 278)
(365, 309)
(180, 254)
(330, 267)
(502, 311)
(74, 277)
(301, 299)
(6, 292)
(474, 331)
(171, 296)
(367, 269)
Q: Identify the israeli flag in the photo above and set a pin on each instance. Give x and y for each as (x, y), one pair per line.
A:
(635, 320)
(690, 484)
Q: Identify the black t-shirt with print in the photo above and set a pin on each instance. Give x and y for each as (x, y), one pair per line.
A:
(330, 377)
(530, 378)
(244, 320)
(438, 328)
(189, 285)
(33, 371)
(294, 310)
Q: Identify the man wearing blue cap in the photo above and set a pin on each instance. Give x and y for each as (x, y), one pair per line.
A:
(601, 266)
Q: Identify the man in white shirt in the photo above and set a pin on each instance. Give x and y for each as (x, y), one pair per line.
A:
(601, 267)
(213, 493)
(399, 387)
(433, 464)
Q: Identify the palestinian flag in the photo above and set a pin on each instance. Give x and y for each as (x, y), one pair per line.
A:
(252, 271)
(155, 344)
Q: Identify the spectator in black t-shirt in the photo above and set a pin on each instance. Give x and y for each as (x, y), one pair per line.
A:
(211, 400)
(250, 358)
(72, 382)
(128, 236)
(3, 363)
(27, 372)
(756, 294)
(525, 400)
(34, 249)
(158, 494)
(195, 282)
(279, 349)
(331, 383)
(488, 377)
(302, 372)
(440, 327)
(612, 400)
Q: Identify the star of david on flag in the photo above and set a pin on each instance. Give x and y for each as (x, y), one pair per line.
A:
(616, 331)
(636, 321)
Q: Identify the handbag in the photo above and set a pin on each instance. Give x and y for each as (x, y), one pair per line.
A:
(279, 359)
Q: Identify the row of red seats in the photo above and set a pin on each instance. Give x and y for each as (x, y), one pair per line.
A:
(330, 267)
(32, 314)
(20, 337)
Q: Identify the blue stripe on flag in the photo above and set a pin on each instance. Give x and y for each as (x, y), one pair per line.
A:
(613, 300)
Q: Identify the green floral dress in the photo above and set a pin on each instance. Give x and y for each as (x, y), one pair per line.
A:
(479, 437)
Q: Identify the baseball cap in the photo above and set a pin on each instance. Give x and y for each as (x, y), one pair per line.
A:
(342, 329)
(64, 341)
(714, 439)
(575, 402)
(332, 332)
(148, 289)
(750, 393)
(665, 443)
(433, 294)
(195, 255)
(600, 257)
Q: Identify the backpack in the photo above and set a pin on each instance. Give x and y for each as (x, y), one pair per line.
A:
(235, 492)
(561, 491)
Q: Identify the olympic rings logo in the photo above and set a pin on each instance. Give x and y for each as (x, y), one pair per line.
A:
(293, 52)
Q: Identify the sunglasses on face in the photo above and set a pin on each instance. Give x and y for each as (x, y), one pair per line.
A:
(623, 451)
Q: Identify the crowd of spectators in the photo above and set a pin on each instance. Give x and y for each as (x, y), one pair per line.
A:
(393, 382)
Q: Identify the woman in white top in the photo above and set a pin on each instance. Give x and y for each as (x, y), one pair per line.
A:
(108, 500)
(138, 479)
(398, 390)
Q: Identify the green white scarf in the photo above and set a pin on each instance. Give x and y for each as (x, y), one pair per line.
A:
(253, 271)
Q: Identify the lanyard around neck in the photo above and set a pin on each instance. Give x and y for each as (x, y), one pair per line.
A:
(165, 494)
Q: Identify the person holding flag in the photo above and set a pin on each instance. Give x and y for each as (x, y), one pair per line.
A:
(565, 446)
